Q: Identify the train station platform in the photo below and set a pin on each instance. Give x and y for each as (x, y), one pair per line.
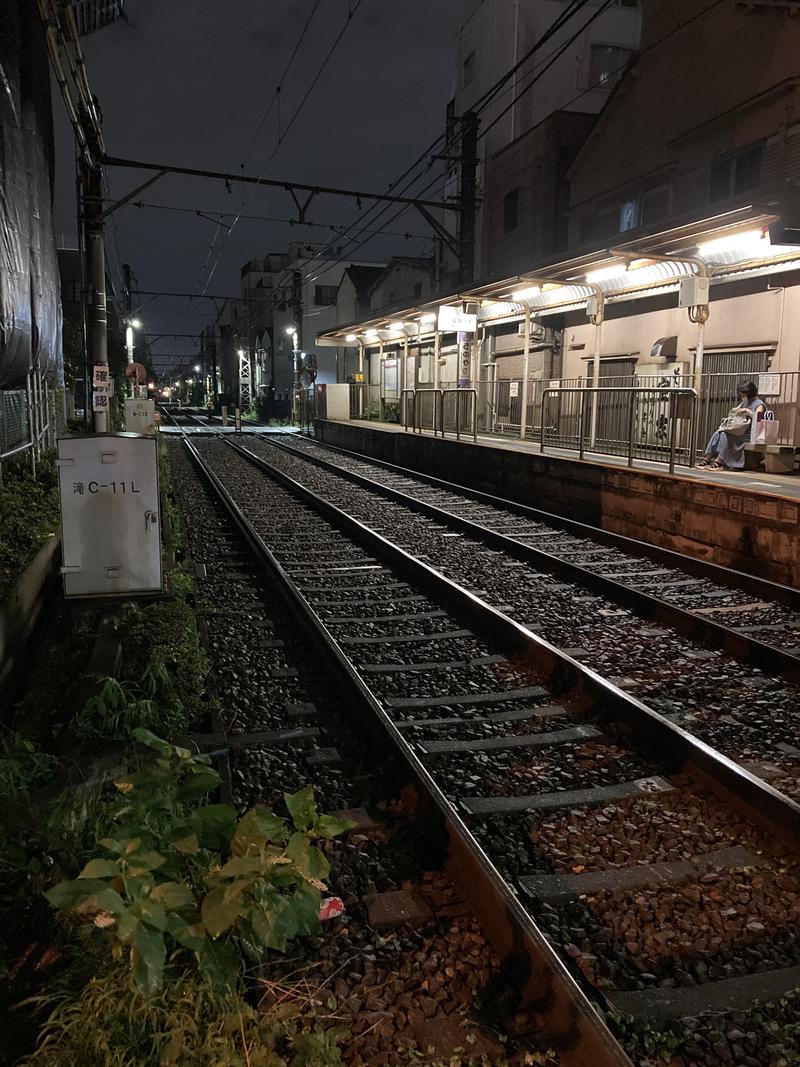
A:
(744, 519)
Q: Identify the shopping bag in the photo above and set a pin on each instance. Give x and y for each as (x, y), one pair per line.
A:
(735, 425)
(765, 429)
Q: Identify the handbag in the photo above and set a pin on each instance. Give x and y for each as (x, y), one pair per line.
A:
(735, 425)
(765, 429)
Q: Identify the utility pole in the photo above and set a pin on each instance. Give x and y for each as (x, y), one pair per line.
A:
(96, 331)
(467, 196)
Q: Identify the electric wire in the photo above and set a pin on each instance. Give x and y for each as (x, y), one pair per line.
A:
(320, 70)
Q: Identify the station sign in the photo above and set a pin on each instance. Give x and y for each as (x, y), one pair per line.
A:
(454, 320)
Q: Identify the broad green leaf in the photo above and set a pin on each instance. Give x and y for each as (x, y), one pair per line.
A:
(217, 913)
(307, 857)
(126, 925)
(189, 845)
(240, 865)
(237, 888)
(191, 937)
(306, 901)
(173, 895)
(149, 861)
(256, 827)
(302, 807)
(215, 825)
(273, 927)
(148, 954)
(330, 826)
(87, 894)
(100, 869)
(152, 913)
(113, 845)
(201, 780)
(220, 963)
(147, 737)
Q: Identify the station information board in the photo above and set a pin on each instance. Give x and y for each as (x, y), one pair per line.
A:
(110, 522)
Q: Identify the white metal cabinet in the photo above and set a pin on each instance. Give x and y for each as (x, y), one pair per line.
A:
(110, 522)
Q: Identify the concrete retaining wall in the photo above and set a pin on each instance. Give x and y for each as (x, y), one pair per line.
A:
(23, 606)
(736, 527)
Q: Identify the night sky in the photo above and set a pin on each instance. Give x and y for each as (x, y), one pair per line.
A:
(188, 83)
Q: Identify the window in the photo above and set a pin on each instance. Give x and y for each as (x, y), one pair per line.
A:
(607, 63)
(511, 210)
(324, 295)
(469, 70)
(629, 214)
(736, 174)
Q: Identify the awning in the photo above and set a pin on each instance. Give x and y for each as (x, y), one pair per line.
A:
(727, 247)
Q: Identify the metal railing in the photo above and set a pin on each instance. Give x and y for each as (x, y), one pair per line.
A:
(636, 422)
(463, 416)
(428, 410)
(27, 422)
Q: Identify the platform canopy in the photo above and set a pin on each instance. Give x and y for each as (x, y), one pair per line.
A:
(746, 242)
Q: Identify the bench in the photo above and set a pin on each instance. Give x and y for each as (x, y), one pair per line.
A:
(776, 459)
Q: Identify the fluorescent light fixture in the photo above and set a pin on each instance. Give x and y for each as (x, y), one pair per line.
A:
(426, 319)
(397, 326)
(351, 337)
(526, 294)
(371, 335)
(752, 240)
(604, 273)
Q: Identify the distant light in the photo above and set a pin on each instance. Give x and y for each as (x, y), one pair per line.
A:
(604, 273)
(197, 368)
(351, 337)
(240, 352)
(136, 323)
(751, 240)
(291, 329)
(526, 294)
(190, 381)
(151, 385)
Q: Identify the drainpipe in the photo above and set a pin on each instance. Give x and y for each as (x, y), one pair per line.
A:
(364, 386)
(526, 351)
(698, 314)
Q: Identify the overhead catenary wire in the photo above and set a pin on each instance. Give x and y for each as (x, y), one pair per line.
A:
(352, 10)
(573, 8)
(537, 74)
(279, 87)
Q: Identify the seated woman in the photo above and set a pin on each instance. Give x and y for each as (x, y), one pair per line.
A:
(726, 449)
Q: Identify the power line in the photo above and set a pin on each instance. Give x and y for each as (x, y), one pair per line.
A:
(276, 95)
(206, 212)
(350, 14)
(574, 7)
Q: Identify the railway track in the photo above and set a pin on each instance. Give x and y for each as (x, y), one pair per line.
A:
(723, 684)
(283, 725)
(645, 878)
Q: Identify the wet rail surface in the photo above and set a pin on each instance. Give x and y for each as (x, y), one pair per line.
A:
(612, 831)
(722, 684)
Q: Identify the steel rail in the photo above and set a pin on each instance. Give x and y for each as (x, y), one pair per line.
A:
(572, 1021)
(712, 634)
(736, 786)
(698, 568)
